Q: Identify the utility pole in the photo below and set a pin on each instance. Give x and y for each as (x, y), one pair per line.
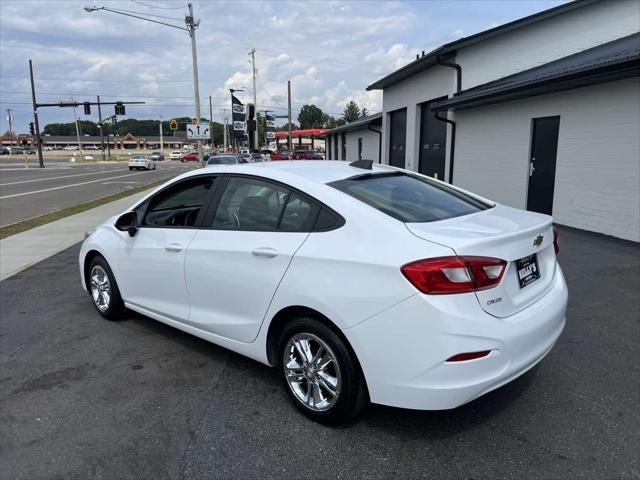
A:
(35, 116)
(10, 120)
(161, 137)
(289, 137)
(211, 123)
(101, 128)
(255, 97)
(192, 25)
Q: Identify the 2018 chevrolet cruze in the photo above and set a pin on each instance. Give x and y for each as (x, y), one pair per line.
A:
(359, 282)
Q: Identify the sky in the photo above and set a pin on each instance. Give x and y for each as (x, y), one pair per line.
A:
(330, 50)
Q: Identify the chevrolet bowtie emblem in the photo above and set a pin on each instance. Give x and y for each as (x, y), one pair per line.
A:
(538, 241)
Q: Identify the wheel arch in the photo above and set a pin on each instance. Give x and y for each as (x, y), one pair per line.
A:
(288, 314)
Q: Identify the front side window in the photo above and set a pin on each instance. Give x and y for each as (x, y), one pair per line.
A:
(179, 205)
(409, 198)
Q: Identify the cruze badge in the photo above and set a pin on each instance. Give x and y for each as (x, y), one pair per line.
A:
(538, 241)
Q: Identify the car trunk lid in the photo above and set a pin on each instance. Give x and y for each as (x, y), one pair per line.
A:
(523, 239)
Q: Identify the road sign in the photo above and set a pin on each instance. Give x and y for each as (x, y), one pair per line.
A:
(198, 131)
(271, 135)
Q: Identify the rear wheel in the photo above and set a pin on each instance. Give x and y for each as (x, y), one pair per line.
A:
(104, 290)
(320, 373)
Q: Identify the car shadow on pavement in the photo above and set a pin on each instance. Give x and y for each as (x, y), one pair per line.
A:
(404, 422)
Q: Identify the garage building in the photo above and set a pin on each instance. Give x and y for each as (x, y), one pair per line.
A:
(541, 113)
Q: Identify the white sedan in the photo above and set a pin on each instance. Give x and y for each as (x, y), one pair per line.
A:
(137, 162)
(358, 282)
(176, 154)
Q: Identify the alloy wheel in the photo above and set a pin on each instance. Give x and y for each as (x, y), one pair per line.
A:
(100, 288)
(312, 371)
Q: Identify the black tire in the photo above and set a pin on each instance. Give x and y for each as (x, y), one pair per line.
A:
(116, 308)
(352, 396)
(130, 168)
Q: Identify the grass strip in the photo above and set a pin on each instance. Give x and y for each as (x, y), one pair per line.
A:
(30, 223)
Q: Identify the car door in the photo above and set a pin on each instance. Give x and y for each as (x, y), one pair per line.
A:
(236, 261)
(151, 263)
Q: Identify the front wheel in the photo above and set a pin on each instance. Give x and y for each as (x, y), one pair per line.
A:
(104, 290)
(320, 373)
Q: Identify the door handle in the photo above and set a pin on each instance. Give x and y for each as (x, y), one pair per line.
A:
(265, 252)
(173, 247)
(531, 169)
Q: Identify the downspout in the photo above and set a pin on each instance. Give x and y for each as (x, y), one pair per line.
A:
(458, 69)
(379, 132)
(453, 143)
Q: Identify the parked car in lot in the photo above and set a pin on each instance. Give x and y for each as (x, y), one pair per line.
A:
(307, 155)
(175, 155)
(223, 159)
(189, 157)
(356, 281)
(138, 162)
(157, 156)
(71, 148)
(91, 147)
(5, 151)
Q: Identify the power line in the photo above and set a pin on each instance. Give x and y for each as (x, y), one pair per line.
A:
(148, 14)
(157, 7)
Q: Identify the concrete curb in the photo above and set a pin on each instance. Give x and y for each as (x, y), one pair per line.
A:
(22, 250)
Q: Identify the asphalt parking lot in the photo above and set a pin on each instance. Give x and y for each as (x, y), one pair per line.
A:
(29, 192)
(82, 397)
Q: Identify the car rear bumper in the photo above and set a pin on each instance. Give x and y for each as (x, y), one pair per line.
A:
(403, 350)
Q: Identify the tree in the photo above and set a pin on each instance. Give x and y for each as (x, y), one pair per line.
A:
(351, 112)
(285, 127)
(332, 122)
(311, 116)
(364, 112)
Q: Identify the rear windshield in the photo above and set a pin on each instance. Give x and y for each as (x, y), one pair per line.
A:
(222, 160)
(409, 198)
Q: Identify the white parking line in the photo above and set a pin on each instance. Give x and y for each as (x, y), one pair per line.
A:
(63, 176)
(69, 186)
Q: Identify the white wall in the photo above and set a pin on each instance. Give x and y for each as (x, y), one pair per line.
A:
(369, 144)
(428, 85)
(597, 183)
(548, 40)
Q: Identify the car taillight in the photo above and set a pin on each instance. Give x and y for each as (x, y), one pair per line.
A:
(443, 275)
(556, 242)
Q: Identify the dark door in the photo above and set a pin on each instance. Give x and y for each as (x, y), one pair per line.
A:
(335, 147)
(542, 166)
(360, 148)
(397, 137)
(344, 146)
(433, 138)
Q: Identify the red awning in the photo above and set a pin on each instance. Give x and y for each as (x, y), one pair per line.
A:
(302, 133)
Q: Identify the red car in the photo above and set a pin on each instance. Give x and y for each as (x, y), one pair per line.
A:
(306, 155)
(189, 157)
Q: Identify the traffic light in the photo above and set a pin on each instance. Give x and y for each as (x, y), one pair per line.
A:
(173, 124)
(32, 129)
(87, 108)
(119, 109)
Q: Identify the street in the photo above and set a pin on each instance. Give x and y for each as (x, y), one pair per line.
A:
(84, 397)
(29, 192)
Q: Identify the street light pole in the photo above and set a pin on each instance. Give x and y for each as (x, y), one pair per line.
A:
(101, 129)
(10, 120)
(192, 25)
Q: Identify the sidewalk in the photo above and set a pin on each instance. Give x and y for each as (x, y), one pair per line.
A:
(22, 250)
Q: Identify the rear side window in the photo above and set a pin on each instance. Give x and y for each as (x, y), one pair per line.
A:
(409, 198)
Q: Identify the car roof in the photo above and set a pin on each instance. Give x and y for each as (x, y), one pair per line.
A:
(319, 171)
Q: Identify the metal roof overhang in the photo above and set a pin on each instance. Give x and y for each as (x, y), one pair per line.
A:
(615, 71)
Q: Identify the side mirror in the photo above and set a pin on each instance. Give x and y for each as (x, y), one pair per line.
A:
(127, 222)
